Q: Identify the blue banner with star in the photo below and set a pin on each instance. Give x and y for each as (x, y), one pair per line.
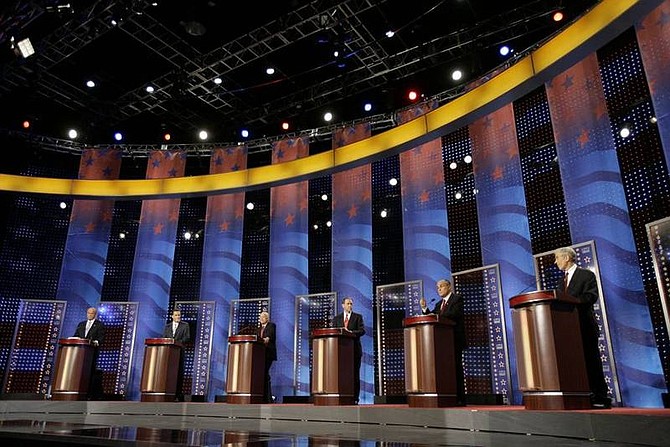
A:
(424, 208)
(288, 259)
(352, 247)
(503, 215)
(221, 259)
(83, 268)
(597, 210)
(154, 255)
(653, 35)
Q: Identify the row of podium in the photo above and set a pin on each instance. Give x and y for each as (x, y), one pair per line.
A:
(550, 361)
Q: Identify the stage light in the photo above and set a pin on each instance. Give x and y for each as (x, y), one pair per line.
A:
(315, 226)
(270, 71)
(203, 135)
(453, 165)
(167, 137)
(475, 191)
(250, 205)
(122, 235)
(285, 125)
(118, 136)
(393, 181)
(90, 83)
(467, 159)
(390, 33)
(653, 120)
(26, 124)
(456, 75)
(217, 81)
(367, 107)
(25, 48)
(458, 195)
(72, 134)
(625, 131)
(329, 224)
(150, 89)
(187, 235)
(328, 117)
(504, 50)
(558, 16)
(324, 197)
(412, 95)
(244, 133)
(383, 214)
(63, 205)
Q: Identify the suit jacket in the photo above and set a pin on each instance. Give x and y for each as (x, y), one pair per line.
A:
(182, 334)
(584, 287)
(96, 333)
(271, 333)
(355, 325)
(454, 312)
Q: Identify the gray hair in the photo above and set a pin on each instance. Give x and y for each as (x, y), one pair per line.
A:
(567, 251)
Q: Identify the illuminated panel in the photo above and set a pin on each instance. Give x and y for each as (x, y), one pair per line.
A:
(245, 314)
(32, 355)
(548, 276)
(199, 315)
(395, 302)
(659, 242)
(486, 358)
(115, 356)
(315, 311)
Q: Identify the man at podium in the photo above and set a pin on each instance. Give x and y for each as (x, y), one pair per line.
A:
(581, 284)
(451, 307)
(93, 329)
(181, 332)
(267, 333)
(352, 322)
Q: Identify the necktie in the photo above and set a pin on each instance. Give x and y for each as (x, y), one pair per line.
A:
(89, 323)
(565, 282)
(443, 306)
(262, 331)
(346, 321)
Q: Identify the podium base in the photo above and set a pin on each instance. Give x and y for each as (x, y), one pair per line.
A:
(297, 399)
(391, 400)
(244, 399)
(157, 398)
(328, 400)
(556, 401)
(431, 400)
(194, 398)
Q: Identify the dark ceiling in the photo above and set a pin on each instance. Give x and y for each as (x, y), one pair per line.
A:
(180, 47)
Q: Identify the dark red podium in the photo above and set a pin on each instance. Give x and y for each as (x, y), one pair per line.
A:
(245, 378)
(430, 373)
(550, 357)
(332, 367)
(160, 369)
(73, 369)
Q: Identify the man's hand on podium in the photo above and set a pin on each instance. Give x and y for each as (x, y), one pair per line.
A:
(95, 342)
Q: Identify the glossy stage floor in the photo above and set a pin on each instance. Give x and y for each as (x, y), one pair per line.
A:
(48, 423)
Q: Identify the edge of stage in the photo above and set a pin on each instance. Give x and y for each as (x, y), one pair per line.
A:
(623, 425)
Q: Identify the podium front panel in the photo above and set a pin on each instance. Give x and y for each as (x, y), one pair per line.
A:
(245, 375)
(160, 369)
(73, 370)
(332, 367)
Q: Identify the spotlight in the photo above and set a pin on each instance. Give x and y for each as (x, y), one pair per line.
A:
(467, 159)
(458, 195)
(244, 133)
(393, 181)
(390, 33)
(25, 48)
(456, 75)
(187, 235)
(504, 50)
(118, 136)
(203, 135)
(63, 205)
(250, 205)
(122, 235)
(453, 165)
(329, 224)
(412, 95)
(167, 137)
(26, 124)
(285, 125)
(624, 132)
(653, 120)
(90, 83)
(217, 81)
(324, 197)
(149, 89)
(328, 117)
(72, 134)
(558, 16)
(367, 107)
(270, 71)
(383, 214)
(315, 226)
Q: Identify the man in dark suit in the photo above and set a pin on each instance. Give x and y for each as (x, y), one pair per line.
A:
(451, 307)
(581, 284)
(181, 332)
(93, 329)
(353, 323)
(267, 333)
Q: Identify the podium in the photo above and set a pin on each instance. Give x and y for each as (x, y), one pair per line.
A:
(430, 373)
(73, 370)
(550, 356)
(160, 370)
(245, 378)
(332, 367)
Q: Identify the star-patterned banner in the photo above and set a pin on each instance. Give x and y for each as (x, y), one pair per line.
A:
(289, 261)
(503, 216)
(424, 210)
(83, 268)
(221, 258)
(352, 246)
(597, 210)
(154, 255)
(653, 36)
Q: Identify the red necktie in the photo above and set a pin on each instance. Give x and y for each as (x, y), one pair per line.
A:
(443, 306)
(346, 321)
(565, 282)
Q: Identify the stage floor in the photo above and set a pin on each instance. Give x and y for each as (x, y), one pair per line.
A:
(28, 423)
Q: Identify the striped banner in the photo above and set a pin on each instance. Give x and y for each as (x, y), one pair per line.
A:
(154, 255)
(597, 210)
(352, 247)
(424, 208)
(87, 242)
(503, 216)
(221, 257)
(288, 259)
(653, 36)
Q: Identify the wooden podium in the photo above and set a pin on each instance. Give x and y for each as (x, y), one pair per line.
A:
(550, 357)
(73, 369)
(430, 373)
(332, 367)
(245, 378)
(160, 369)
